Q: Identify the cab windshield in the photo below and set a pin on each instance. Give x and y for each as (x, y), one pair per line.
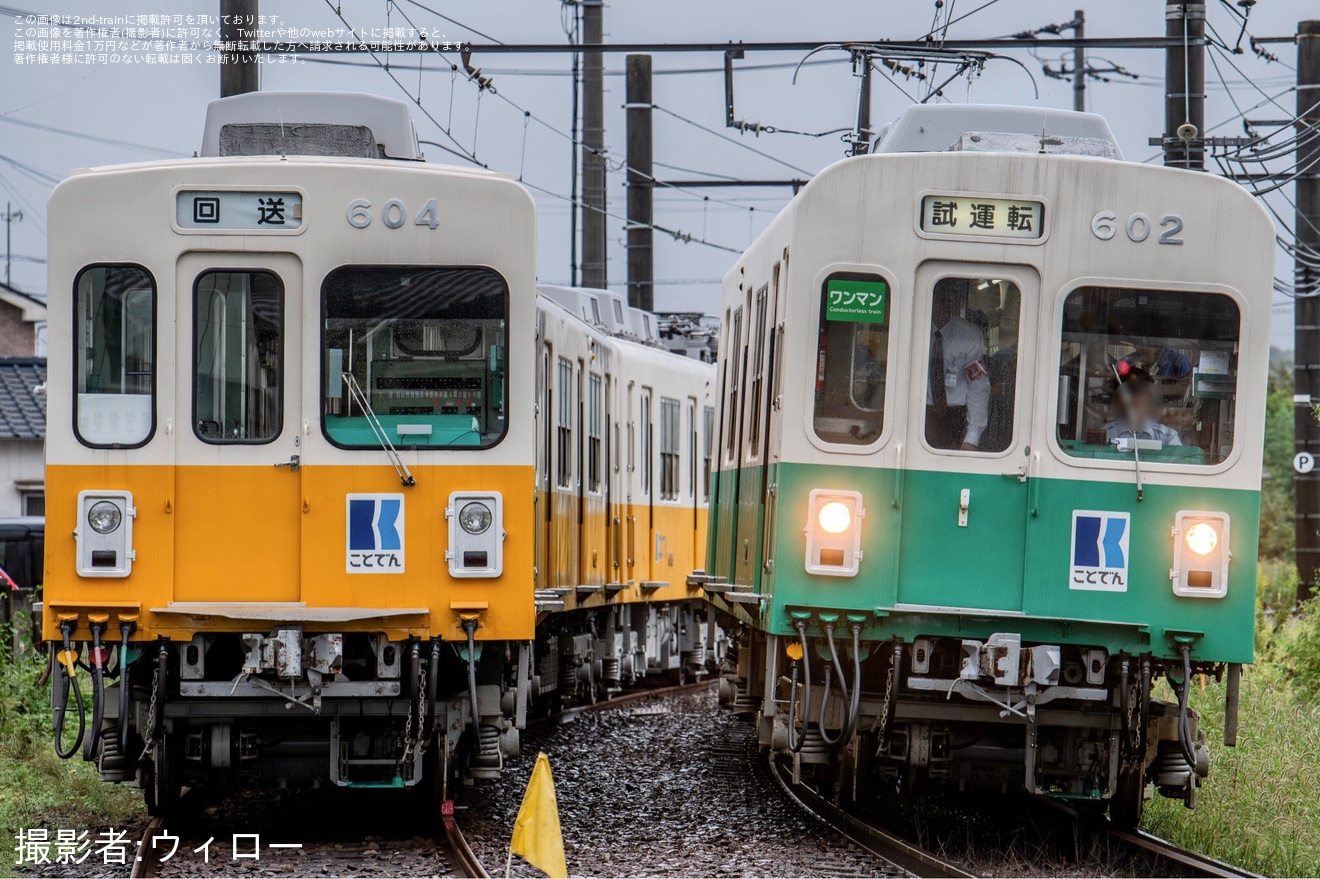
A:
(1150, 373)
(427, 349)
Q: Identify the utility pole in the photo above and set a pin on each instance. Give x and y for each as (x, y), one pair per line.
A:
(594, 241)
(11, 217)
(1306, 320)
(573, 170)
(1184, 85)
(862, 141)
(641, 256)
(239, 34)
(1079, 62)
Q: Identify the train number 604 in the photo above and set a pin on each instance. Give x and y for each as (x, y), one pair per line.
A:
(1105, 225)
(392, 214)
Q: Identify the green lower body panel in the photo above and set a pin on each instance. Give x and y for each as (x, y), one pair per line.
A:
(1054, 560)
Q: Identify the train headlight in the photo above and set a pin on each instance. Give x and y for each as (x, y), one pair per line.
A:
(476, 534)
(104, 517)
(474, 517)
(1201, 538)
(104, 537)
(834, 517)
(1200, 554)
(834, 532)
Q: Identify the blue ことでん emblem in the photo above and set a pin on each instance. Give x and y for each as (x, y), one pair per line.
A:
(375, 534)
(1099, 551)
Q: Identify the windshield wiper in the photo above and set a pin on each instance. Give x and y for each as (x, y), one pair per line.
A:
(355, 392)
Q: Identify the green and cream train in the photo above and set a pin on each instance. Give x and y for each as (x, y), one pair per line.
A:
(988, 460)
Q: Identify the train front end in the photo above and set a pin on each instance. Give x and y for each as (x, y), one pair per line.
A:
(290, 456)
(1010, 456)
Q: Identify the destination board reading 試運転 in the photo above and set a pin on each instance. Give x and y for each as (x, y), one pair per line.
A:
(979, 216)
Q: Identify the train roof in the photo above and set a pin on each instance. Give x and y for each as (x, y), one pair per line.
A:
(928, 128)
(344, 124)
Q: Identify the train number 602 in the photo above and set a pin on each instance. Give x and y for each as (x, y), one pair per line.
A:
(393, 214)
(1104, 225)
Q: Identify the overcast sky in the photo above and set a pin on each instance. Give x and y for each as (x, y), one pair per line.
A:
(163, 107)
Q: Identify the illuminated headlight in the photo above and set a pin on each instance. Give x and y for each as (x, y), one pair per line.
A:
(834, 517)
(104, 517)
(1201, 538)
(474, 517)
(1200, 554)
(834, 532)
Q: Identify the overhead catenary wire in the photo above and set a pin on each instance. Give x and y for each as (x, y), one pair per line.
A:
(677, 235)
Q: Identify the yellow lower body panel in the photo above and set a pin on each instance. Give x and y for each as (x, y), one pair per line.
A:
(229, 548)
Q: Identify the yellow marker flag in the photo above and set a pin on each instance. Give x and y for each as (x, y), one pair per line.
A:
(536, 835)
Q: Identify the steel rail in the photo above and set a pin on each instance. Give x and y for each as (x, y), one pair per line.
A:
(1203, 864)
(912, 860)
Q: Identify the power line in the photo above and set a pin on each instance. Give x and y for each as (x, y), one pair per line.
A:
(722, 136)
(92, 137)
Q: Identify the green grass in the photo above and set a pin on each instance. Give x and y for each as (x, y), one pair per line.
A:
(37, 789)
(1260, 808)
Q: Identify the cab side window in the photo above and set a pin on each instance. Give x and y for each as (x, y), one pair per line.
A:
(852, 359)
(114, 356)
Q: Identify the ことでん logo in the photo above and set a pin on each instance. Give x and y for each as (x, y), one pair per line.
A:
(1099, 551)
(375, 534)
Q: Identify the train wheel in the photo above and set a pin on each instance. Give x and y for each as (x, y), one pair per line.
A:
(1128, 801)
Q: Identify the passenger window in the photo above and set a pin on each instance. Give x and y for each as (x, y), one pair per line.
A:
(971, 385)
(669, 448)
(115, 356)
(594, 430)
(417, 353)
(1150, 373)
(852, 359)
(564, 472)
(238, 321)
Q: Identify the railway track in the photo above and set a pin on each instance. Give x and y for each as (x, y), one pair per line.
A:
(445, 854)
(1198, 864)
(910, 859)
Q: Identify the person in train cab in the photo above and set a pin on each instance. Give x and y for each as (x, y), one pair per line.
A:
(868, 368)
(958, 393)
(1139, 406)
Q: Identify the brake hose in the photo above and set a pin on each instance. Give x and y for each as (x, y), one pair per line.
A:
(68, 679)
(856, 703)
(98, 692)
(1184, 728)
(470, 626)
(843, 688)
(806, 678)
(125, 694)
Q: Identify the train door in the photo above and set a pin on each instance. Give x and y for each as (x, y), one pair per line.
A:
(238, 443)
(969, 465)
(751, 479)
(647, 526)
(545, 462)
(594, 553)
(563, 533)
(725, 490)
(773, 428)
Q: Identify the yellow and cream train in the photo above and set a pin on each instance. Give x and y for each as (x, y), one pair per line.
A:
(341, 494)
